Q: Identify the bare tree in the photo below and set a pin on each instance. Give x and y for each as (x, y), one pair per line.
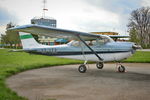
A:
(140, 21)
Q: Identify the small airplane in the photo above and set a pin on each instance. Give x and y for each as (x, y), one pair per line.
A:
(84, 46)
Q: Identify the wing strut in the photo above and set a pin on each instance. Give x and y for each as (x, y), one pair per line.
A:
(90, 48)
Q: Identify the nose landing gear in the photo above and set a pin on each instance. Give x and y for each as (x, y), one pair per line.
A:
(121, 68)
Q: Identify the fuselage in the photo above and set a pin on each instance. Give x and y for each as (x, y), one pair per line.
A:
(110, 51)
(91, 47)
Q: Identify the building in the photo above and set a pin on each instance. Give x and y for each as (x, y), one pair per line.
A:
(111, 33)
(47, 21)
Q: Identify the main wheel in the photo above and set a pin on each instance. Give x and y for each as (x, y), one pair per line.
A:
(121, 69)
(82, 69)
(99, 65)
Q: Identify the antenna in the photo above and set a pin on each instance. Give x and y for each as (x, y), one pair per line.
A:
(44, 8)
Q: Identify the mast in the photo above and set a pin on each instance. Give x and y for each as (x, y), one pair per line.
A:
(44, 8)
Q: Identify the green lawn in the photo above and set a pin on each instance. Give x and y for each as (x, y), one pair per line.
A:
(14, 62)
(139, 57)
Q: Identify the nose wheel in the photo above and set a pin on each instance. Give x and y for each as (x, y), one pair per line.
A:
(82, 68)
(121, 69)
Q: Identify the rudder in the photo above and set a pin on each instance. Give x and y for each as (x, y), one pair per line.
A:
(28, 41)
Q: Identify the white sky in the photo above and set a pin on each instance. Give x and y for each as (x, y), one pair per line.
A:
(80, 15)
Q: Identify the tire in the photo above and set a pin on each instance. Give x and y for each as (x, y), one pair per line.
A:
(121, 69)
(99, 65)
(82, 69)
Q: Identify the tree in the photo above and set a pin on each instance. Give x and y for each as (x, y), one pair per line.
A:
(10, 25)
(139, 26)
(36, 37)
(133, 35)
(10, 37)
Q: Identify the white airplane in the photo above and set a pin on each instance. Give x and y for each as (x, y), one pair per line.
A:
(84, 46)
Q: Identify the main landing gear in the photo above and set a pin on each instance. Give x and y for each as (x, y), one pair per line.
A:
(82, 68)
(100, 65)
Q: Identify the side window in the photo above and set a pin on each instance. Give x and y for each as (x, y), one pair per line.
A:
(91, 43)
(101, 41)
(78, 44)
(104, 40)
(75, 43)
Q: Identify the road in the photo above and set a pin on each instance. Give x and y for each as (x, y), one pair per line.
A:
(66, 83)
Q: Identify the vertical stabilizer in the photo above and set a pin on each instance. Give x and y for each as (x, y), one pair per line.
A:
(28, 41)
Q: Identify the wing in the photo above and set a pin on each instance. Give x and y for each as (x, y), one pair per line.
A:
(55, 32)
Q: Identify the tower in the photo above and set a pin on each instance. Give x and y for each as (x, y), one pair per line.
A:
(46, 21)
(43, 20)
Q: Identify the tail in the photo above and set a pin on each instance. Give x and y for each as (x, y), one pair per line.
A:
(28, 41)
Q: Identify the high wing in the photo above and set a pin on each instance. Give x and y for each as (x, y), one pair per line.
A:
(55, 32)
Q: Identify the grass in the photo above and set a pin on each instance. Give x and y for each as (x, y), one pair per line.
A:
(15, 62)
(139, 57)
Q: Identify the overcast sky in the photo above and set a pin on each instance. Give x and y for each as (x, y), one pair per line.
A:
(80, 15)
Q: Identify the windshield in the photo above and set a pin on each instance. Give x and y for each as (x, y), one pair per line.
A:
(105, 39)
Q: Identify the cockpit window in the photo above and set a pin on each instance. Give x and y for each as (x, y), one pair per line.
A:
(77, 43)
(99, 41)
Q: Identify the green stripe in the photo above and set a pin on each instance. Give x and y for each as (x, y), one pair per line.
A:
(26, 36)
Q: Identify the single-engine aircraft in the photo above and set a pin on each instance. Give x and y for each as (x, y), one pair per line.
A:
(84, 46)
